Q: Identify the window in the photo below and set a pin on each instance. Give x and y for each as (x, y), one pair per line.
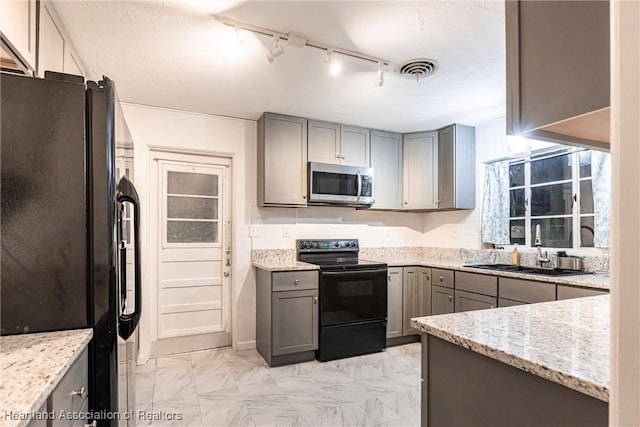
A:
(553, 190)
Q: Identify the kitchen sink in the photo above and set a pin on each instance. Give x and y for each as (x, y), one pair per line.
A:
(527, 270)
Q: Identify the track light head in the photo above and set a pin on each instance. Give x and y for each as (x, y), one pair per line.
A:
(380, 75)
(335, 67)
(275, 51)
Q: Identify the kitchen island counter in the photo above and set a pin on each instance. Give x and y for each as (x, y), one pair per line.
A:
(566, 342)
(31, 366)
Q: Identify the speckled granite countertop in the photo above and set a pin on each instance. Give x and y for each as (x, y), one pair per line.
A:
(285, 266)
(566, 342)
(31, 366)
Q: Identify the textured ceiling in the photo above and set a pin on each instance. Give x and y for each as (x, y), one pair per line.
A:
(175, 54)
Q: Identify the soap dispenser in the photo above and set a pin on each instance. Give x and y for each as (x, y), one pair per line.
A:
(515, 255)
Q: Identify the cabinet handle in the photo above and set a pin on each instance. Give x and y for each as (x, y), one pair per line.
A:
(450, 297)
(389, 277)
(304, 197)
(406, 203)
(296, 282)
(342, 157)
(80, 393)
(338, 156)
(441, 278)
(315, 300)
(93, 424)
(492, 306)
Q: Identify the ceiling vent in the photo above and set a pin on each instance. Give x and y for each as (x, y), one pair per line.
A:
(417, 68)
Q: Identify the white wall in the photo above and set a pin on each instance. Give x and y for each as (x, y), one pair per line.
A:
(625, 269)
(461, 229)
(228, 137)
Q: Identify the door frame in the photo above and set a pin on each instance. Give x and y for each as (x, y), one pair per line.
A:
(152, 240)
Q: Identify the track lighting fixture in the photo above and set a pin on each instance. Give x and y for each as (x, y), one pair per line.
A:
(238, 31)
(300, 41)
(275, 51)
(380, 75)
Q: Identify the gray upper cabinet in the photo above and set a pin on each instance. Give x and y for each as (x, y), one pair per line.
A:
(420, 171)
(394, 302)
(558, 71)
(386, 161)
(282, 160)
(338, 144)
(456, 167)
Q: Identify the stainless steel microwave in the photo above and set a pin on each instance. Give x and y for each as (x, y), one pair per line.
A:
(340, 185)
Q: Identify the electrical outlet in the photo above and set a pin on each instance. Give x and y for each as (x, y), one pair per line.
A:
(286, 232)
(255, 231)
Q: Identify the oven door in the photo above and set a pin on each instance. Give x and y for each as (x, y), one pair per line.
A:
(348, 296)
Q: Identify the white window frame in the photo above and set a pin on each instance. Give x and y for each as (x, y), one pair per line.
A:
(575, 186)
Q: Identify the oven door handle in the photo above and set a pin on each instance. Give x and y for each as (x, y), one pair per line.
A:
(354, 272)
(359, 183)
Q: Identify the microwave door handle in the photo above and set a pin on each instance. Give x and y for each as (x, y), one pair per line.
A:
(359, 183)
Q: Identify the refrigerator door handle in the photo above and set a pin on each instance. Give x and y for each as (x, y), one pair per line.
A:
(127, 323)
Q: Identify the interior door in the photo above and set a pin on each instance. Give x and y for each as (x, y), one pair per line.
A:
(192, 293)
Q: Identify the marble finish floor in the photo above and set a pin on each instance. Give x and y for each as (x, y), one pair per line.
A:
(236, 388)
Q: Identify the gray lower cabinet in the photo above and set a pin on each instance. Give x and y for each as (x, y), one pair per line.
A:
(386, 161)
(503, 302)
(566, 292)
(286, 315)
(416, 296)
(527, 291)
(456, 167)
(468, 301)
(442, 300)
(282, 160)
(394, 303)
(69, 397)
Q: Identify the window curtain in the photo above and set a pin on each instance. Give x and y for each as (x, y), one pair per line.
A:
(601, 184)
(495, 205)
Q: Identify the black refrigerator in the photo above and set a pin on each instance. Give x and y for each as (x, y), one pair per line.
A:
(63, 231)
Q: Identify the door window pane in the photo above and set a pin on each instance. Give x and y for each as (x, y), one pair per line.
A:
(192, 183)
(585, 164)
(555, 232)
(516, 175)
(192, 231)
(556, 199)
(517, 231)
(549, 170)
(586, 231)
(516, 203)
(192, 207)
(586, 197)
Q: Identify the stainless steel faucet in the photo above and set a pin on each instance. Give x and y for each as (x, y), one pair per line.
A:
(540, 260)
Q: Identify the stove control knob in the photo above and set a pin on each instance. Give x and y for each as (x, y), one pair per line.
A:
(303, 245)
(353, 244)
(336, 244)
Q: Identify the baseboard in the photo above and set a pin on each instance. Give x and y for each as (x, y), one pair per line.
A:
(167, 346)
(246, 345)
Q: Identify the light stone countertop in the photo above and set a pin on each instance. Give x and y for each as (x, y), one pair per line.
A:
(566, 341)
(31, 366)
(284, 265)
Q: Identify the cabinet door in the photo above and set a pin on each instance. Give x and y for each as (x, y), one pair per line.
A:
(51, 44)
(446, 168)
(282, 160)
(386, 161)
(441, 300)
(18, 25)
(468, 301)
(411, 305)
(355, 146)
(324, 142)
(526, 290)
(425, 291)
(295, 321)
(420, 170)
(394, 303)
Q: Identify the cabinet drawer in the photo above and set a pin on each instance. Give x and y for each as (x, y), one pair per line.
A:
(526, 290)
(66, 396)
(294, 280)
(478, 283)
(566, 292)
(442, 277)
(468, 301)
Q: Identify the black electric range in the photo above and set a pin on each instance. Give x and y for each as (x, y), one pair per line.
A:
(353, 298)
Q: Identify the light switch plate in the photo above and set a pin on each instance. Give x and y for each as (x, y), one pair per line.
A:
(255, 231)
(286, 232)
